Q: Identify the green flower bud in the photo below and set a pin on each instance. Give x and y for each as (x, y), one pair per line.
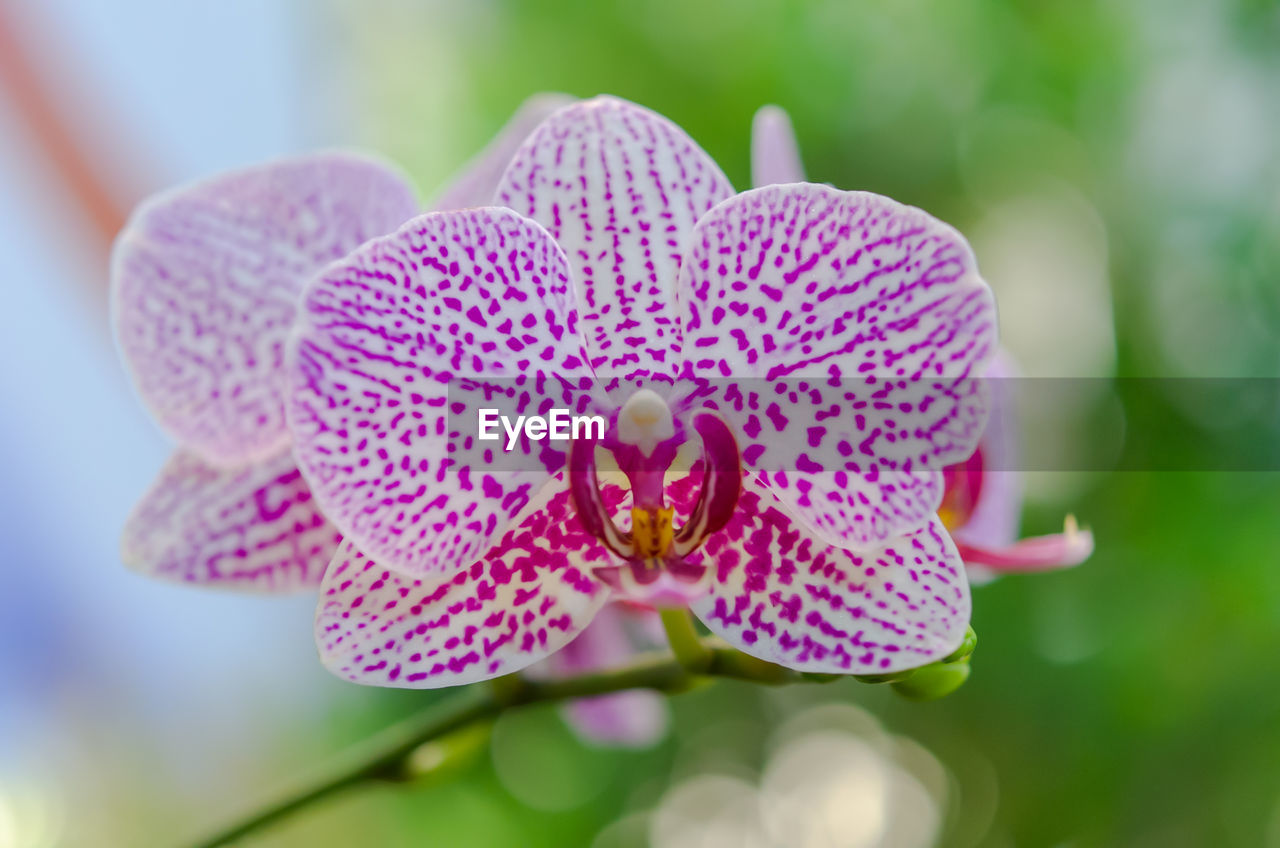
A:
(967, 645)
(933, 681)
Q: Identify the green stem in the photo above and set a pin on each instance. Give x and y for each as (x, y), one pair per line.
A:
(685, 641)
(658, 672)
(387, 756)
(383, 756)
(733, 664)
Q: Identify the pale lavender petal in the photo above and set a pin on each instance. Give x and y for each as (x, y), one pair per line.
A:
(620, 188)
(476, 184)
(254, 528)
(841, 334)
(397, 348)
(783, 595)
(996, 515)
(987, 535)
(529, 596)
(205, 282)
(636, 718)
(775, 156)
(993, 518)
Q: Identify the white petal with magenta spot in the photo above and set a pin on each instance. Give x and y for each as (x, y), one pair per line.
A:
(620, 188)
(530, 595)
(841, 334)
(399, 347)
(785, 596)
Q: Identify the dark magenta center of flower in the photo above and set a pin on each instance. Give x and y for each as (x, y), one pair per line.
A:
(645, 439)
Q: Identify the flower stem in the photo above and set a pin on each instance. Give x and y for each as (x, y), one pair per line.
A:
(686, 644)
(383, 756)
(388, 756)
(727, 662)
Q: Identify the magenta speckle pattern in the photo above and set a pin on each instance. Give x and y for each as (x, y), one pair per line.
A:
(205, 282)
(254, 529)
(859, 327)
(389, 368)
(620, 188)
(839, 334)
(526, 598)
(785, 596)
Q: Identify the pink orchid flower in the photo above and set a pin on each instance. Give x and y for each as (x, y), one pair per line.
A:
(982, 502)
(205, 282)
(816, 349)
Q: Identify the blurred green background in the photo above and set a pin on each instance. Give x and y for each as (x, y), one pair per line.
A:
(1117, 167)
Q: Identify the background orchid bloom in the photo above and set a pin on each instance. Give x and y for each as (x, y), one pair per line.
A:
(637, 266)
(982, 500)
(775, 155)
(205, 284)
(635, 718)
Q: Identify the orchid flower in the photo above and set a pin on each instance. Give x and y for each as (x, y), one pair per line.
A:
(624, 276)
(982, 501)
(205, 282)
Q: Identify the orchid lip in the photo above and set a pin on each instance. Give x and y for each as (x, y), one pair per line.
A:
(645, 442)
(657, 583)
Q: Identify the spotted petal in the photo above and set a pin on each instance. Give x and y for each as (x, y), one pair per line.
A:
(620, 188)
(840, 333)
(398, 348)
(775, 156)
(783, 595)
(205, 282)
(476, 184)
(529, 596)
(255, 528)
